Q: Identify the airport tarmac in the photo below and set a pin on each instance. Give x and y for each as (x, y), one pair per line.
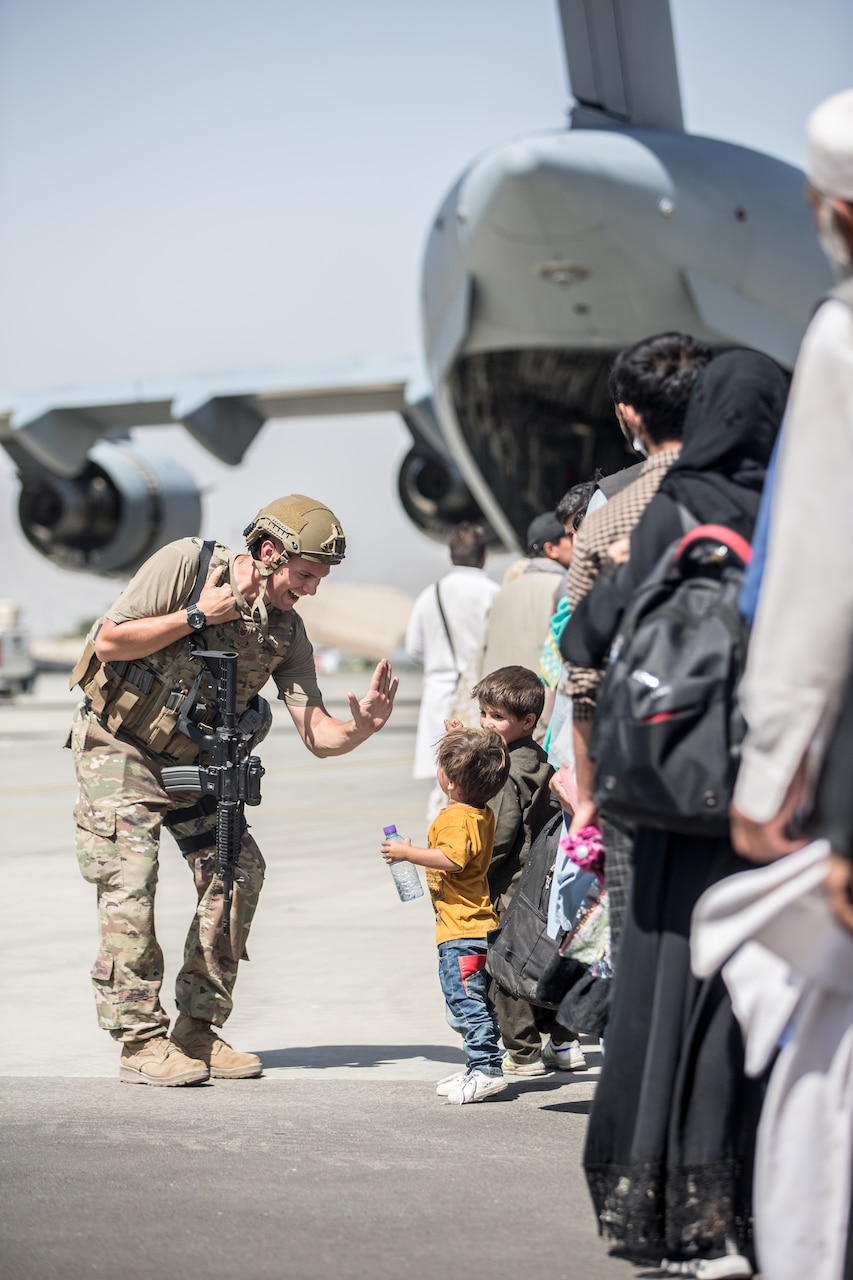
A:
(340, 1161)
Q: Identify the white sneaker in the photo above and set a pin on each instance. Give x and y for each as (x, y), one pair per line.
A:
(731, 1267)
(475, 1086)
(510, 1067)
(449, 1083)
(564, 1057)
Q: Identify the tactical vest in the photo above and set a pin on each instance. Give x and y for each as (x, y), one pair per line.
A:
(143, 697)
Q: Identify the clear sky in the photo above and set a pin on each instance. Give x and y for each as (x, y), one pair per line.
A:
(200, 185)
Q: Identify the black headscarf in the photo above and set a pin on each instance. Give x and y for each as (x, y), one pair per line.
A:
(732, 420)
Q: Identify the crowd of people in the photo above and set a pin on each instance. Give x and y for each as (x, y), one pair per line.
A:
(721, 1133)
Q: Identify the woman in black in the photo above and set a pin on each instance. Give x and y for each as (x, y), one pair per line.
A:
(670, 1142)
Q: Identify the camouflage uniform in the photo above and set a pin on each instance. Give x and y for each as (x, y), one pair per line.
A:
(122, 805)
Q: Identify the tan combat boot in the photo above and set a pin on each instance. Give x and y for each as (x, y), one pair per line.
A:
(200, 1040)
(159, 1061)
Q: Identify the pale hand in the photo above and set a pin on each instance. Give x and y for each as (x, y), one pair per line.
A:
(586, 815)
(371, 712)
(564, 787)
(216, 600)
(762, 841)
(768, 841)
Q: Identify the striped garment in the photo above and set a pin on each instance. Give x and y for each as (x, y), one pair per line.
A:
(616, 519)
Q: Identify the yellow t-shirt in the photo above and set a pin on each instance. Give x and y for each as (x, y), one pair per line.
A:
(460, 898)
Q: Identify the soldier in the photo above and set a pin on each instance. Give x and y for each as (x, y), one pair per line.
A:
(136, 673)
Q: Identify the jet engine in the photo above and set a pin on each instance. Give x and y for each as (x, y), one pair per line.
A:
(124, 504)
(433, 493)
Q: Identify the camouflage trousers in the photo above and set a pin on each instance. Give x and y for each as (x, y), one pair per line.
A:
(120, 811)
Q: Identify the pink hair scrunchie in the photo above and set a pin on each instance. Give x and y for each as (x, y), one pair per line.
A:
(585, 850)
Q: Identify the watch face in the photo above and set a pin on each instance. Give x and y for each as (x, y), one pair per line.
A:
(196, 619)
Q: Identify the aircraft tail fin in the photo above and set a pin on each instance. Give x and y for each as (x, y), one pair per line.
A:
(620, 56)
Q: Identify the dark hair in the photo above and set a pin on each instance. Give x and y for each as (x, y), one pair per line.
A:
(467, 543)
(571, 508)
(516, 690)
(656, 376)
(477, 761)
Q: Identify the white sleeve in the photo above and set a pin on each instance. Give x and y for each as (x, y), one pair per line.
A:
(801, 644)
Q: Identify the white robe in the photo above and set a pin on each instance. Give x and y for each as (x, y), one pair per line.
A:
(799, 649)
(788, 966)
(466, 597)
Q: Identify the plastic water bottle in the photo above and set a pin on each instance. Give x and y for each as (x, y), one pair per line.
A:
(405, 875)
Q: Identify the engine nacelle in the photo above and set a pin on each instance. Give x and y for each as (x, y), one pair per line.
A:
(124, 504)
(434, 495)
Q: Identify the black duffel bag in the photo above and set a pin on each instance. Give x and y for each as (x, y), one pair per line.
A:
(520, 950)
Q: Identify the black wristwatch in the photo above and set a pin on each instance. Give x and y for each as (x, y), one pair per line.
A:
(196, 618)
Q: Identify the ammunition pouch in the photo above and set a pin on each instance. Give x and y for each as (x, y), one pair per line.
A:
(132, 698)
(256, 721)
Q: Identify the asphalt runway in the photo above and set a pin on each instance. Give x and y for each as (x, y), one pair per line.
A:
(340, 1161)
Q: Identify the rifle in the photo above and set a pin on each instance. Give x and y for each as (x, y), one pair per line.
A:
(232, 776)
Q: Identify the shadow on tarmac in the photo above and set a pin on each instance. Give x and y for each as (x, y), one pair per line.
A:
(579, 1108)
(331, 1056)
(358, 1055)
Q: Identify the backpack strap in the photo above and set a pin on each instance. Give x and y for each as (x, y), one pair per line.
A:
(715, 533)
(447, 630)
(204, 558)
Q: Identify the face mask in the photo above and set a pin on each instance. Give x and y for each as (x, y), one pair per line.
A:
(832, 242)
(638, 444)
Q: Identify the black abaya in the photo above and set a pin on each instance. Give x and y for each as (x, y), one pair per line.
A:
(669, 1148)
(672, 1132)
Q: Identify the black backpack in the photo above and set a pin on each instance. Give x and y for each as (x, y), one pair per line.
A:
(520, 950)
(668, 729)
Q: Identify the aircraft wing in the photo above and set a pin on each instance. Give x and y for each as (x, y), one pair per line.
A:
(94, 500)
(621, 60)
(224, 412)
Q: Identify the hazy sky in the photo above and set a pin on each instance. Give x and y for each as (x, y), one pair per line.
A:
(200, 185)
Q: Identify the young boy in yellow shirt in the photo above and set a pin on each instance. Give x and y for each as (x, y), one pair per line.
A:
(472, 767)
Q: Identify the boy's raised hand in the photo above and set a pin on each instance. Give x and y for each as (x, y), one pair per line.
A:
(453, 724)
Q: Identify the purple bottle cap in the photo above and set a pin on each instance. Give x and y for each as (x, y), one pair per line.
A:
(390, 831)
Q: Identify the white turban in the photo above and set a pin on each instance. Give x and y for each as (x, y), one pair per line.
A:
(830, 146)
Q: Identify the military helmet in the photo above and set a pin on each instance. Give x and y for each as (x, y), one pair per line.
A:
(304, 526)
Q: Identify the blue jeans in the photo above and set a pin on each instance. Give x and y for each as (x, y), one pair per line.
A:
(465, 983)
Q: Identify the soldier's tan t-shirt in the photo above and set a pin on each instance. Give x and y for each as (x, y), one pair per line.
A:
(163, 585)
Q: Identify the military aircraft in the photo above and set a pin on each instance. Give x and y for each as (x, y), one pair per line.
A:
(549, 254)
